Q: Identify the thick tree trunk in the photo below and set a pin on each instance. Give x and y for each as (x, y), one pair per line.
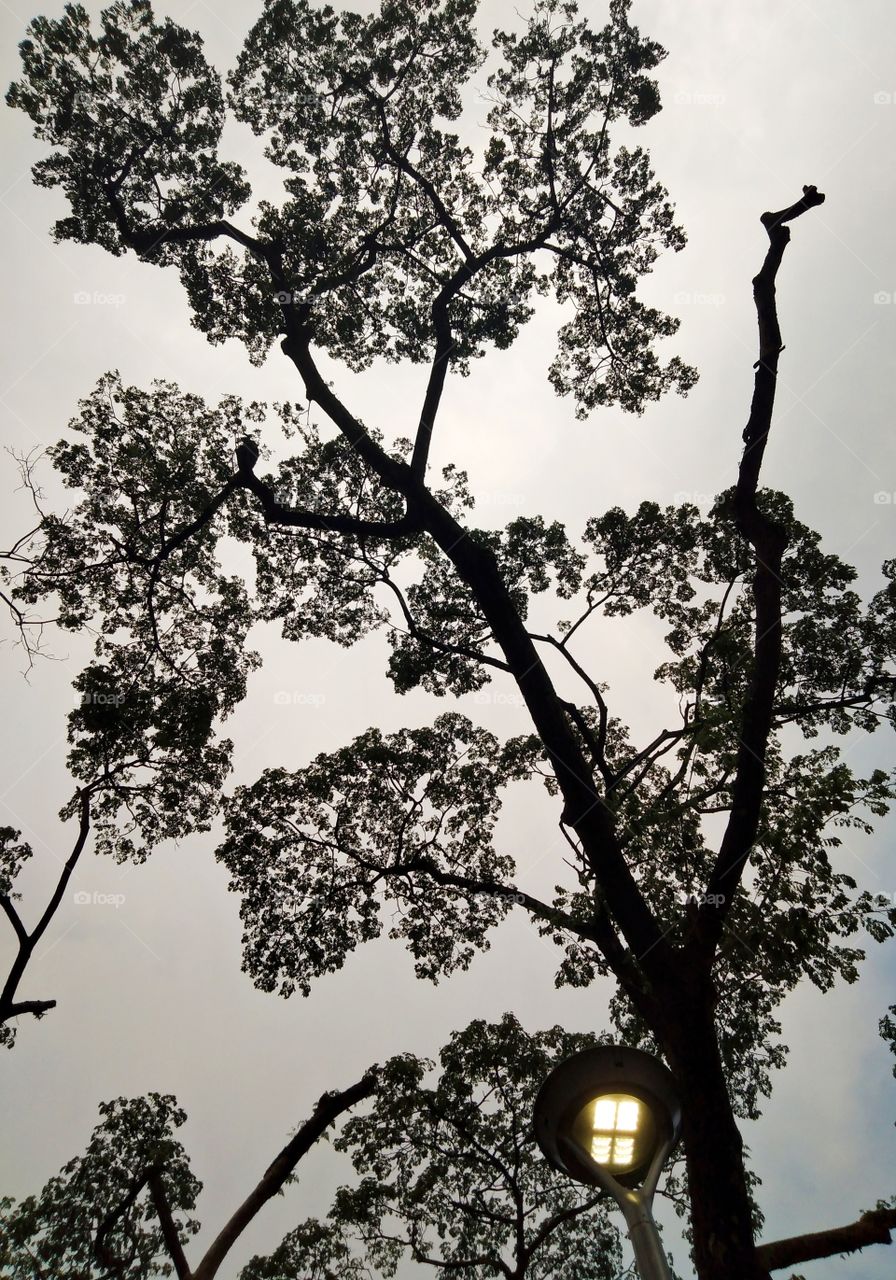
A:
(721, 1213)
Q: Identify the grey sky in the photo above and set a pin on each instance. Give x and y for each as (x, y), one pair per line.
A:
(758, 100)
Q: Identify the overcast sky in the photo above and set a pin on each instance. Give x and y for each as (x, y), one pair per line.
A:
(759, 99)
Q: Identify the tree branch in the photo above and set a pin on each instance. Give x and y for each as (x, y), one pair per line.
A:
(276, 513)
(101, 1252)
(873, 1227)
(167, 1223)
(584, 808)
(14, 918)
(769, 543)
(146, 242)
(36, 1007)
(9, 1007)
(424, 637)
(329, 1108)
(557, 1220)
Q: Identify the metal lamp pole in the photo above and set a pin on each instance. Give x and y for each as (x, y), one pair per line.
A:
(637, 1205)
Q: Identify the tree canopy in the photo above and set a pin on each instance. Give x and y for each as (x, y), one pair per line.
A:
(702, 870)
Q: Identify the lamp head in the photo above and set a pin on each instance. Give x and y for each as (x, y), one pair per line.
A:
(619, 1106)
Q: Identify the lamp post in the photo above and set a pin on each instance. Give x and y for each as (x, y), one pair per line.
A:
(610, 1117)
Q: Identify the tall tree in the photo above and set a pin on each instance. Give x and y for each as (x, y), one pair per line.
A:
(394, 241)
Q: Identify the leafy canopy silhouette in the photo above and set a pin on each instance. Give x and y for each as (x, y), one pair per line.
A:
(395, 240)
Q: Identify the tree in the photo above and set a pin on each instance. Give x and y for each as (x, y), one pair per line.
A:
(450, 1173)
(452, 1177)
(116, 1213)
(391, 244)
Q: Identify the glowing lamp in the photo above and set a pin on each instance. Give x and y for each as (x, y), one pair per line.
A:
(610, 1117)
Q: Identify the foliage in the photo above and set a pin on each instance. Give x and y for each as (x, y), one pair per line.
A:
(55, 1233)
(134, 109)
(403, 821)
(450, 1173)
(450, 1170)
(312, 854)
(706, 868)
(351, 109)
(170, 626)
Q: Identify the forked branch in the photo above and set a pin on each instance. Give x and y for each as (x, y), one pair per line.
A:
(9, 1006)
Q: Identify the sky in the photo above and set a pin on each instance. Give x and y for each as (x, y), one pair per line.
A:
(759, 100)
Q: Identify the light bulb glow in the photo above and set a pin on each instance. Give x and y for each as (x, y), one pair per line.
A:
(614, 1128)
(605, 1114)
(627, 1117)
(601, 1148)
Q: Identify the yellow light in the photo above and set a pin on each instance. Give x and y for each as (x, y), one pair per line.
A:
(601, 1148)
(615, 1121)
(605, 1114)
(627, 1116)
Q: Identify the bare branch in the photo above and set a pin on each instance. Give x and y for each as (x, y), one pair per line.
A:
(329, 1108)
(769, 543)
(9, 1007)
(873, 1227)
(14, 918)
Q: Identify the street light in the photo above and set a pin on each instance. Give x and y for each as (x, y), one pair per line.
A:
(610, 1117)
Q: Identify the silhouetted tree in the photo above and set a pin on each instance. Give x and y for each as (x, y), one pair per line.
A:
(117, 1211)
(394, 241)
